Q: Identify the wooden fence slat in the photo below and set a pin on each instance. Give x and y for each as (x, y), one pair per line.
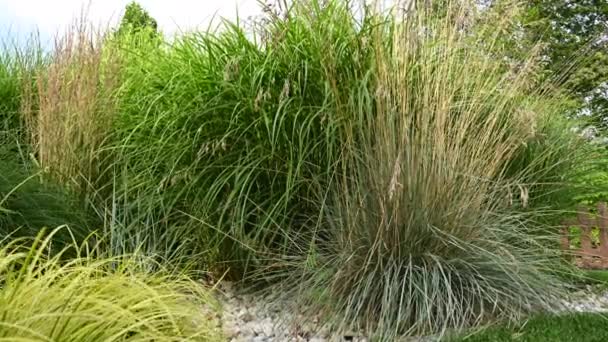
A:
(585, 222)
(565, 238)
(603, 226)
(588, 255)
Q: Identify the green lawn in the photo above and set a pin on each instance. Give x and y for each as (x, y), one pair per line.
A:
(572, 327)
(597, 276)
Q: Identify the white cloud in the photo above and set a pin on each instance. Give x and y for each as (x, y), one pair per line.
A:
(51, 17)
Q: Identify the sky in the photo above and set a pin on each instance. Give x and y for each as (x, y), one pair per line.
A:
(19, 18)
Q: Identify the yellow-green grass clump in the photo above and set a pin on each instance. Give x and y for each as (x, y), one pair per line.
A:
(46, 298)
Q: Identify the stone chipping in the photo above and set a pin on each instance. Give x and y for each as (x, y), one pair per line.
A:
(251, 318)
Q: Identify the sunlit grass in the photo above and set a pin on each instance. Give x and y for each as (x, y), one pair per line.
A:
(86, 298)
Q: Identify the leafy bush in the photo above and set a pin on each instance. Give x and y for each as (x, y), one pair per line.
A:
(595, 178)
(44, 298)
(137, 19)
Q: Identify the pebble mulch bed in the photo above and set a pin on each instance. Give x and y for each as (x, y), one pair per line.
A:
(587, 299)
(250, 318)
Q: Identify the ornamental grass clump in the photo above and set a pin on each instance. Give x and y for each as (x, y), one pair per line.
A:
(18, 63)
(28, 204)
(47, 298)
(9, 91)
(69, 114)
(225, 135)
(424, 229)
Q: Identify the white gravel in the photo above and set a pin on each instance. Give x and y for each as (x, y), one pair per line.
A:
(587, 299)
(247, 317)
(250, 318)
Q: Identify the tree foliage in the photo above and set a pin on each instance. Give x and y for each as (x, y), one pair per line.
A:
(575, 39)
(137, 19)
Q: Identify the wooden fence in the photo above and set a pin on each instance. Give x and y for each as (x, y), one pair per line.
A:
(590, 254)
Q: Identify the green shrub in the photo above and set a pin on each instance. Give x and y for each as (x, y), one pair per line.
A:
(137, 19)
(594, 178)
